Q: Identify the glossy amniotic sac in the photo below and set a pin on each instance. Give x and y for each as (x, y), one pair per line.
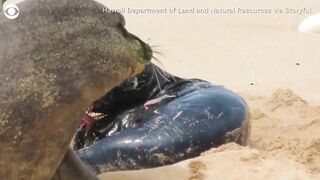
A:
(156, 119)
(56, 58)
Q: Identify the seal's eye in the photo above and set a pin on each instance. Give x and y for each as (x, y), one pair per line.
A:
(12, 11)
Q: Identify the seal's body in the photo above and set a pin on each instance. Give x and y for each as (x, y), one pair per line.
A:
(156, 119)
(56, 58)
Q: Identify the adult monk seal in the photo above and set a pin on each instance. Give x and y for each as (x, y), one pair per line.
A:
(55, 59)
(155, 119)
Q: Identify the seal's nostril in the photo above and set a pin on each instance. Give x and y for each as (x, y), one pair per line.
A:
(119, 19)
(122, 20)
(147, 51)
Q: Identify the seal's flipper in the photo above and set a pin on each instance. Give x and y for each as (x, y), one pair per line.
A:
(72, 168)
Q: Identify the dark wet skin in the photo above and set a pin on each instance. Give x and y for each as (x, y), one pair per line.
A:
(56, 58)
(156, 119)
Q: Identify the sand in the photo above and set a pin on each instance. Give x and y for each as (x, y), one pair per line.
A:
(260, 56)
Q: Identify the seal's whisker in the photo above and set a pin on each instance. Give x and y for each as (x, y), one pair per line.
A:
(163, 72)
(174, 79)
(168, 74)
(159, 53)
(162, 75)
(157, 60)
(162, 65)
(155, 46)
(156, 49)
(157, 78)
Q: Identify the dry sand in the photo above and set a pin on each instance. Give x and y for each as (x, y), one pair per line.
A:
(262, 57)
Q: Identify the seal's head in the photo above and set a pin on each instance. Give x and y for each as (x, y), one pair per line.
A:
(56, 58)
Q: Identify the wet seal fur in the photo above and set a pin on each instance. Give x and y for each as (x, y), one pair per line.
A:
(56, 58)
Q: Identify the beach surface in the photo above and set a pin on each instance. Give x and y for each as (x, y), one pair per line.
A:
(256, 53)
(254, 49)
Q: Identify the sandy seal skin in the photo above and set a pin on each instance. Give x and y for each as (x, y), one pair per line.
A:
(56, 58)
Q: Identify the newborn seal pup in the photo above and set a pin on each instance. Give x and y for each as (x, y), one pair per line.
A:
(155, 119)
(55, 59)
